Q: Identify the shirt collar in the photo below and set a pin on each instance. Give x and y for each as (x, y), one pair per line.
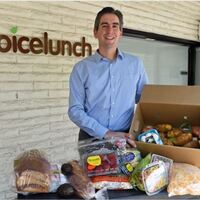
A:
(98, 57)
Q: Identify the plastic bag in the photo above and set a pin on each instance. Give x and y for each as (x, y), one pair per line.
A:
(185, 179)
(129, 160)
(136, 176)
(56, 177)
(32, 172)
(155, 177)
(111, 182)
(101, 157)
(79, 180)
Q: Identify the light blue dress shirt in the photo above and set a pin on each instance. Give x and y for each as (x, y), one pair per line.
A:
(103, 93)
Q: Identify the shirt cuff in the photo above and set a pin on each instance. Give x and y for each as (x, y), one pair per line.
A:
(102, 131)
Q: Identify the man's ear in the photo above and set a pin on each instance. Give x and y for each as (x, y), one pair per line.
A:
(95, 33)
(121, 32)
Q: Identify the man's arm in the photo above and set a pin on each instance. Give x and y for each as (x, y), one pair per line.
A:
(143, 79)
(76, 110)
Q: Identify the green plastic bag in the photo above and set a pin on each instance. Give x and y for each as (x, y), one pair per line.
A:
(136, 177)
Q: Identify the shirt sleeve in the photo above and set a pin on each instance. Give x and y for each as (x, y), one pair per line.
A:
(143, 79)
(76, 110)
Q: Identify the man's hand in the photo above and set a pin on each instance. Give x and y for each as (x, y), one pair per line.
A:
(129, 137)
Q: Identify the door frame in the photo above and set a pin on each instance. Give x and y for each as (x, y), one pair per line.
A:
(192, 45)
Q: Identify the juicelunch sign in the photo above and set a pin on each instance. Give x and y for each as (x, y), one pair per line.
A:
(45, 45)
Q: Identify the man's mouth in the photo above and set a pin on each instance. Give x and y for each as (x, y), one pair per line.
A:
(109, 38)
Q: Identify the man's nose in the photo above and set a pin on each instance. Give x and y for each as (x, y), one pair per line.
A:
(110, 29)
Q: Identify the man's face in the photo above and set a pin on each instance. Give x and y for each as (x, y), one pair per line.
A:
(109, 31)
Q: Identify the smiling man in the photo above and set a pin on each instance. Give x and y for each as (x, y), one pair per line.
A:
(105, 87)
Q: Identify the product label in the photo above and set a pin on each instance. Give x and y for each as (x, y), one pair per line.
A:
(94, 160)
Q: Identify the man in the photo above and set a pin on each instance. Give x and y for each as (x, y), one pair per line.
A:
(104, 87)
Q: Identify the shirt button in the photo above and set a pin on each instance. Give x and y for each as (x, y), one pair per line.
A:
(113, 103)
(112, 116)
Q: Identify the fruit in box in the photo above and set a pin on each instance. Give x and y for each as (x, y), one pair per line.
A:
(101, 164)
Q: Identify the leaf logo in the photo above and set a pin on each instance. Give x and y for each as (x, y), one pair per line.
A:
(13, 29)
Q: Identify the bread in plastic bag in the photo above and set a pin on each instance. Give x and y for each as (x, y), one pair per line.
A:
(185, 180)
(32, 172)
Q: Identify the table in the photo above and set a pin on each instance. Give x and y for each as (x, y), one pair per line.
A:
(123, 194)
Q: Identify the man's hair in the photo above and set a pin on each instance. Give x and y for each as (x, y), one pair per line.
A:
(108, 10)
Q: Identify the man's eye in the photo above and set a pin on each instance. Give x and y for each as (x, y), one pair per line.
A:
(115, 26)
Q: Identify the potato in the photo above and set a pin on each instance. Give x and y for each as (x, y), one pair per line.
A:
(163, 127)
(192, 144)
(175, 132)
(183, 139)
(196, 131)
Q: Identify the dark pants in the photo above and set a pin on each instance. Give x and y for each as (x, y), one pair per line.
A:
(83, 135)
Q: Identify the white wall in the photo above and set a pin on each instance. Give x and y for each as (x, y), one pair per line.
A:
(34, 88)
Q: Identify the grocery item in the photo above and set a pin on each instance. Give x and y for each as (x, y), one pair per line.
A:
(163, 127)
(32, 172)
(129, 159)
(192, 144)
(174, 132)
(150, 136)
(185, 135)
(154, 177)
(183, 139)
(196, 131)
(185, 179)
(101, 157)
(186, 126)
(80, 182)
(146, 128)
(65, 190)
(30, 181)
(111, 182)
(136, 176)
(78, 179)
(56, 177)
(167, 162)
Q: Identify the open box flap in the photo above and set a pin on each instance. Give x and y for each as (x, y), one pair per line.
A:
(171, 94)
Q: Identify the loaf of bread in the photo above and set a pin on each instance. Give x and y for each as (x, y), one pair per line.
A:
(32, 172)
(33, 181)
(33, 160)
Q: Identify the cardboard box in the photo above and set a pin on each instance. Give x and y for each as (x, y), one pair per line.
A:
(168, 104)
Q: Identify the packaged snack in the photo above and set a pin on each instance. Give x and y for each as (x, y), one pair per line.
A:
(167, 161)
(154, 177)
(101, 157)
(129, 159)
(150, 136)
